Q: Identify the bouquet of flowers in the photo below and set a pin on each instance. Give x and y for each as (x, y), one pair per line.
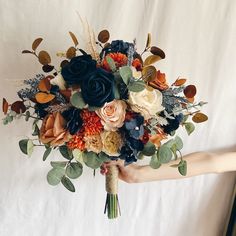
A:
(103, 103)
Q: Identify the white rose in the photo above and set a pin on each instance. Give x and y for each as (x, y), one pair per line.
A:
(59, 81)
(148, 102)
(112, 114)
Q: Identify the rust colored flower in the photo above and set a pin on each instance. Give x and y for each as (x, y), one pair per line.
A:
(137, 64)
(119, 59)
(159, 82)
(91, 122)
(53, 130)
(77, 141)
(157, 138)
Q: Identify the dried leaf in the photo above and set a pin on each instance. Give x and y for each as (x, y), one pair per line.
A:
(71, 52)
(44, 85)
(199, 117)
(74, 38)
(158, 52)
(47, 68)
(151, 59)
(66, 94)
(18, 107)
(179, 82)
(64, 63)
(149, 73)
(44, 97)
(5, 106)
(148, 43)
(103, 36)
(36, 43)
(190, 91)
(191, 100)
(26, 51)
(44, 58)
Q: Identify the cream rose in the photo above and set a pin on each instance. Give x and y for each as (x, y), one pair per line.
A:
(112, 114)
(93, 143)
(148, 102)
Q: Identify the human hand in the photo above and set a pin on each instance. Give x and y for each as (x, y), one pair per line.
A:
(128, 174)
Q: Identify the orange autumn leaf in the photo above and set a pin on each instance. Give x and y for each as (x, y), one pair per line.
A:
(5, 106)
(179, 82)
(190, 91)
(44, 85)
(44, 97)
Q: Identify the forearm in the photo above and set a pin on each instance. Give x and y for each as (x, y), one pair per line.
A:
(198, 163)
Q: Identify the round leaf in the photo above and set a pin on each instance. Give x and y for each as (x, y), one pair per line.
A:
(65, 152)
(125, 73)
(44, 97)
(154, 162)
(44, 58)
(179, 143)
(44, 85)
(58, 164)
(23, 145)
(182, 167)
(92, 160)
(149, 73)
(68, 184)
(77, 100)
(158, 52)
(199, 117)
(164, 154)
(149, 149)
(36, 43)
(18, 107)
(55, 175)
(190, 91)
(71, 52)
(74, 170)
(151, 59)
(103, 36)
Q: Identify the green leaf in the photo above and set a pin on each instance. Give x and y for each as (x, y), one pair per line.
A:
(23, 145)
(179, 143)
(190, 127)
(154, 162)
(36, 130)
(185, 118)
(91, 108)
(149, 149)
(136, 86)
(55, 175)
(103, 157)
(65, 152)
(77, 100)
(58, 164)
(46, 153)
(27, 115)
(126, 74)
(92, 160)
(116, 92)
(183, 167)
(111, 63)
(30, 147)
(68, 184)
(164, 153)
(78, 155)
(74, 170)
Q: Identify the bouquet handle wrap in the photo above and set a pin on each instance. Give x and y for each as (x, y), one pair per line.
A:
(112, 203)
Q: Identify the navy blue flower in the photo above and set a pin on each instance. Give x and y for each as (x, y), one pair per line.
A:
(117, 46)
(173, 124)
(134, 127)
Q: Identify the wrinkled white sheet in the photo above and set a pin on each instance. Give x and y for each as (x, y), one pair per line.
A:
(199, 38)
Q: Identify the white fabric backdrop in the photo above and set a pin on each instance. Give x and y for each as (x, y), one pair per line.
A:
(199, 38)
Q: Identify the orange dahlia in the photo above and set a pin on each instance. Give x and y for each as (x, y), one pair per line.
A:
(91, 122)
(119, 59)
(77, 141)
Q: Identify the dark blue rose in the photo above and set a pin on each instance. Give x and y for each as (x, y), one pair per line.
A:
(173, 124)
(117, 46)
(77, 69)
(98, 88)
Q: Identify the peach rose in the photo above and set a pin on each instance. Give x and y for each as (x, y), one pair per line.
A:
(112, 114)
(53, 130)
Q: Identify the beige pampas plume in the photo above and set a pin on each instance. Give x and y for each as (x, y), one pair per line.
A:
(90, 39)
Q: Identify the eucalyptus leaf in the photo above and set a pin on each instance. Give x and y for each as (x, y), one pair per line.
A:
(65, 152)
(30, 147)
(126, 74)
(136, 86)
(190, 127)
(149, 149)
(78, 155)
(111, 63)
(154, 162)
(74, 170)
(55, 175)
(77, 100)
(183, 167)
(103, 157)
(92, 160)
(164, 153)
(36, 130)
(46, 153)
(23, 145)
(179, 143)
(68, 184)
(58, 164)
